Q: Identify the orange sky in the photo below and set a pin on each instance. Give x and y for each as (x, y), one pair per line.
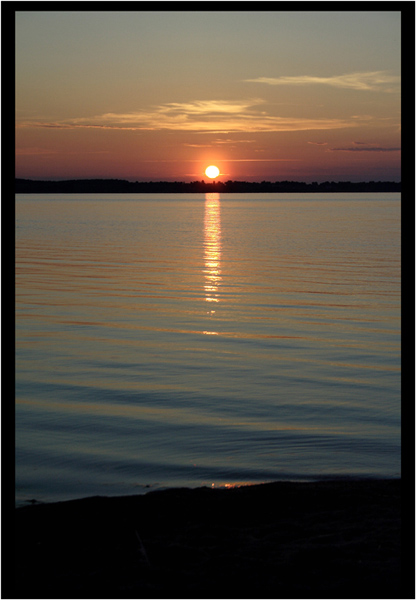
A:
(307, 96)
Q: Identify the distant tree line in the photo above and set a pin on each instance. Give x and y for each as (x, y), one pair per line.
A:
(120, 186)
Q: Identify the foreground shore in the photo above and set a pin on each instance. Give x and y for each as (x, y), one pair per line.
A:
(336, 537)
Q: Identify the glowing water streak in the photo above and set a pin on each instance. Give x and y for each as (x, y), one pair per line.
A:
(212, 247)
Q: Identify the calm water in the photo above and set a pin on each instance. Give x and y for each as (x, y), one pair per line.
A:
(205, 340)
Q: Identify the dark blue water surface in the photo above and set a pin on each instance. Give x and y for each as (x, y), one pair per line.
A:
(205, 340)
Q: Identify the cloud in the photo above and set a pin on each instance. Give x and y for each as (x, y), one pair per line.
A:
(220, 141)
(367, 81)
(263, 159)
(70, 124)
(203, 117)
(198, 145)
(228, 141)
(33, 151)
(318, 143)
(365, 149)
(194, 160)
(44, 152)
(203, 107)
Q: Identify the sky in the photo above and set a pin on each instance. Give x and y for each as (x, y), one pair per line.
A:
(160, 95)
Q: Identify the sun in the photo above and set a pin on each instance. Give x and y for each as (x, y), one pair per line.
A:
(212, 171)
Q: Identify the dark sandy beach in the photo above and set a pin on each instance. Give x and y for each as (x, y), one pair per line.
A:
(341, 539)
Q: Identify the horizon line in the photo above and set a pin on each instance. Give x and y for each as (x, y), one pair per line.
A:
(210, 181)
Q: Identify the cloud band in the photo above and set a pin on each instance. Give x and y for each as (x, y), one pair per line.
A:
(365, 81)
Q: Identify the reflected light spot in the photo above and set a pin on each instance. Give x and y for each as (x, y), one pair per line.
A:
(212, 247)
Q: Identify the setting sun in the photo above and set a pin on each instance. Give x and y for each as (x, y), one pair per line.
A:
(212, 171)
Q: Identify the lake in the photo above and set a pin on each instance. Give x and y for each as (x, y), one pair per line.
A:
(189, 339)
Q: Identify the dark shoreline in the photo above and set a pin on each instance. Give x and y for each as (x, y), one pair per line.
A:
(340, 537)
(119, 186)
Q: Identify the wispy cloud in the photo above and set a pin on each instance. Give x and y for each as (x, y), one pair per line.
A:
(193, 160)
(318, 143)
(198, 145)
(263, 159)
(365, 149)
(44, 152)
(246, 116)
(219, 142)
(228, 141)
(33, 151)
(380, 81)
(71, 124)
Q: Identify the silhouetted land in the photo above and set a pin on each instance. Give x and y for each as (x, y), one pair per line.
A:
(338, 538)
(119, 186)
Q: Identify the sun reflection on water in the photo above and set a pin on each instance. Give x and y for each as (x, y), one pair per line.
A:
(212, 247)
